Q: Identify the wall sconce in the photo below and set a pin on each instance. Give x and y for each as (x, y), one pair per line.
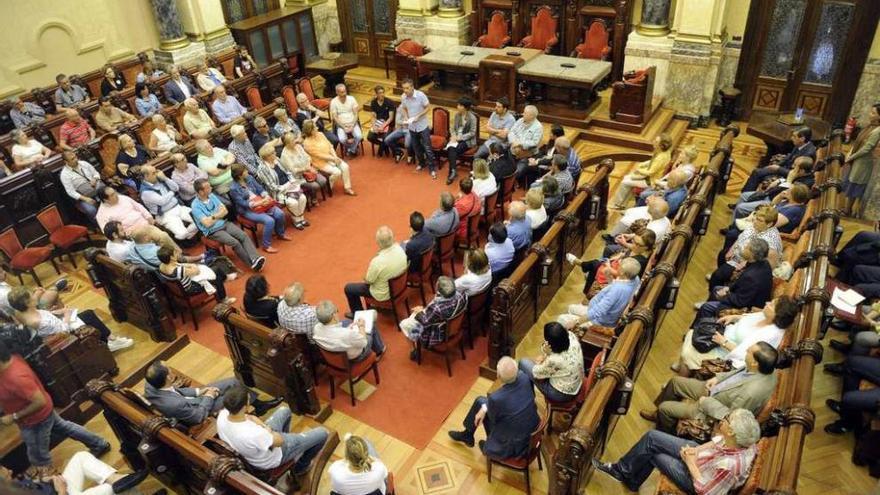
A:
(546, 263)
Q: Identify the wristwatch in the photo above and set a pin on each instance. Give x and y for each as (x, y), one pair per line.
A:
(15, 417)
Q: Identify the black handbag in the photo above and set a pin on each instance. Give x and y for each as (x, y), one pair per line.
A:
(701, 338)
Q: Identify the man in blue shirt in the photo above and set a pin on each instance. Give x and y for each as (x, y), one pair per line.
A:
(209, 213)
(414, 110)
(499, 249)
(674, 193)
(500, 122)
(226, 108)
(519, 229)
(606, 307)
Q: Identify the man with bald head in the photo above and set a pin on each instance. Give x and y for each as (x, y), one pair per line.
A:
(226, 108)
(509, 415)
(344, 115)
(654, 213)
(196, 120)
(674, 191)
(524, 138)
(519, 229)
(75, 131)
(388, 263)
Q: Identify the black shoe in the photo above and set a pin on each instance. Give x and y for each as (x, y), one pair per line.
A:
(607, 468)
(731, 206)
(261, 407)
(834, 368)
(834, 405)
(414, 355)
(258, 264)
(61, 284)
(840, 346)
(100, 451)
(463, 437)
(839, 324)
(608, 239)
(837, 428)
(130, 481)
(723, 231)
(482, 446)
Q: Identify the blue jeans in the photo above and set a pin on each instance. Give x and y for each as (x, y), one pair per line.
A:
(527, 366)
(656, 450)
(272, 220)
(421, 143)
(377, 345)
(87, 209)
(38, 438)
(300, 446)
(357, 137)
(394, 136)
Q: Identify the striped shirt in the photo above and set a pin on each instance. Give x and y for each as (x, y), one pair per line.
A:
(723, 469)
(75, 134)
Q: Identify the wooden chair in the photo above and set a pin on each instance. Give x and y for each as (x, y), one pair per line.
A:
(255, 100)
(445, 251)
(453, 340)
(543, 32)
(60, 235)
(490, 205)
(289, 96)
(24, 259)
(477, 307)
(595, 45)
(340, 149)
(439, 132)
(249, 226)
(632, 98)
(522, 464)
(505, 195)
(497, 32)
(472, 234)
(397, 286)
(423, 274)
(572, 407)
(192, 302)
(305, 86)
(338, 365)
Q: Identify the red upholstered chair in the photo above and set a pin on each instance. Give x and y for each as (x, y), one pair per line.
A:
(60, 235)
(423, 274)
(453, 340)
(476, 314)
(250, 226)
(444, 251)
(289, 96)
(595, 45)
(439, 131)
(508, 184)
(398, 304)
(543, 35)
(339, 366)
(24, 259)
(254, 98)
(305, 86)
(472, 234)
(191, 302)
(497, 32)
(406, 63)
(490, 210)
(522, 463)
(573, 406)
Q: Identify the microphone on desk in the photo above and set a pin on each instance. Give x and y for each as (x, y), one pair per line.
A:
(514, 54)
(466, 52)
(568, 65)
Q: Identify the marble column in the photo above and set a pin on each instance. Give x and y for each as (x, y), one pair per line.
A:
(450, 8)
(171, 33)
(655, 18)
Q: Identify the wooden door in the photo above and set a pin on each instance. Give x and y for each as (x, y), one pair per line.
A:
(368, 26)
(805, 54)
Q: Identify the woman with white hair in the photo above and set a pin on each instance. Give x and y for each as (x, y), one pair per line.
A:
(283, 122)
(718, 466)
(27, 152)
(164, 137)
(196, 120)
(286, 190)
(298, 164)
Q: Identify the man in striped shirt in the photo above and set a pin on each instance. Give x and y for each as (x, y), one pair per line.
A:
(75, 131)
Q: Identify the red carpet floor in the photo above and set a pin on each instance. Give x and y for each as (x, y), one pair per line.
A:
(411, 402)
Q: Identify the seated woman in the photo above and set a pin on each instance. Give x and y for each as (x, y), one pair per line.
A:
(324, 156)
(43, 322)
(360, 472)
(466, 204)
(535, 211)
(602, 271)
(112, 82)
(791, 205)
(243, 64)
(559, 371)
(196, 278)
(484, 182)
(147, 103)
(209, 78)
(477, 276)
(463, 135)
(254, 203)
(148, 73)
(298, 164)
(283, 123)
(763, 227)
(554, 201)
(287, 191)
(164, 137)
(258, 304)
(740, 333)
(684, 162)
(129, 159)
(27, 152)
(646, 173)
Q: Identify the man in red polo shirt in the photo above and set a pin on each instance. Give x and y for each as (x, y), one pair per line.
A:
(75, 131)
(24, 401)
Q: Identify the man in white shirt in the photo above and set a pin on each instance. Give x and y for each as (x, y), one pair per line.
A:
(352, 338)
(267, 445)
(118, 246)
(344, 114)
(81, 182)
(655, 210)
(524, 138)
(413, 110)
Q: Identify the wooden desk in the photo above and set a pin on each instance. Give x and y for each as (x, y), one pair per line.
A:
(332, 70)
(777, 135)
(454, 70)
(563, 87)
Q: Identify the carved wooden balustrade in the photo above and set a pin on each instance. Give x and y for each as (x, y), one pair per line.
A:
(570, 464)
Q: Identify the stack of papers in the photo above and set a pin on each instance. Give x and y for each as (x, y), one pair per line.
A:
(846, 300)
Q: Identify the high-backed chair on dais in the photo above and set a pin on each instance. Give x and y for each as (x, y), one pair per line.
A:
(497, 32)
(543, 35)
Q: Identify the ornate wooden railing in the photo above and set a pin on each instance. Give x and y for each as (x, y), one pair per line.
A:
(571, 459)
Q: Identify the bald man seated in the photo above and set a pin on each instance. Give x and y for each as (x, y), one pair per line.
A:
(388, 263)
(509, 415)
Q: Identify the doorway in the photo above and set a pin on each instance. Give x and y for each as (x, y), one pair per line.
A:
(368, 26)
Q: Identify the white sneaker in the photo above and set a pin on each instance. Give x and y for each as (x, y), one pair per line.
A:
(119, 343)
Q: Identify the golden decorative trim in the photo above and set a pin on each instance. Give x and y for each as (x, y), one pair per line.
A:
(652, 30)
(175, 44)
(411, 12)
(449, 12)
(218, 33)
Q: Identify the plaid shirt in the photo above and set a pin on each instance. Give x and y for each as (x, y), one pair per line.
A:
(246, 155)
(432, 328)
(722, 469)
(298, 319)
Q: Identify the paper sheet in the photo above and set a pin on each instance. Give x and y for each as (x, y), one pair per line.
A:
(369, 317)
(846, 301)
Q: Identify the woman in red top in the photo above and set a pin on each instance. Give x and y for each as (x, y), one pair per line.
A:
(467, 203)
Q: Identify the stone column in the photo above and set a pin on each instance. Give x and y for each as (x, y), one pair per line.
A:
(655, 18)
(171, 34)
(450, 8)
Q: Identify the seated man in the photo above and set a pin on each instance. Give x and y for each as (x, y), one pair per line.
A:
(159, 194)
(81, 182)
(674, 192)
(688, 398)
(243, 150)
(118, 244)
(606, 307)
(730, 258)
(26, 113)
(524, 138)
(209, 78)
(349, 337)
(210, 213)
(46, 298)
(748, 201)
(509, 415)
(791, 205)
(263, 134)
(419, 240)
(854, 401)
(110, 118)
(560, 145)
(718, 466)
(191, 405)
(782, 164)
(428, 324)
(226, 108)
(863, 249)
(500, 162)
(131, 215)
(519, 229)
(500, 122)
(217, 163)
(294, 314)
(69, 95)
(444, 220)
(185, 175)
(81, 468)
(307, 111)
(751, 289)
(388, 263)
(267, 445)
(559, 171)
(466, 204)
(196, 120)
(344, 115)
(179, 87)
(499, 249)
(653, 215)
(142, 249)
(75, 131)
